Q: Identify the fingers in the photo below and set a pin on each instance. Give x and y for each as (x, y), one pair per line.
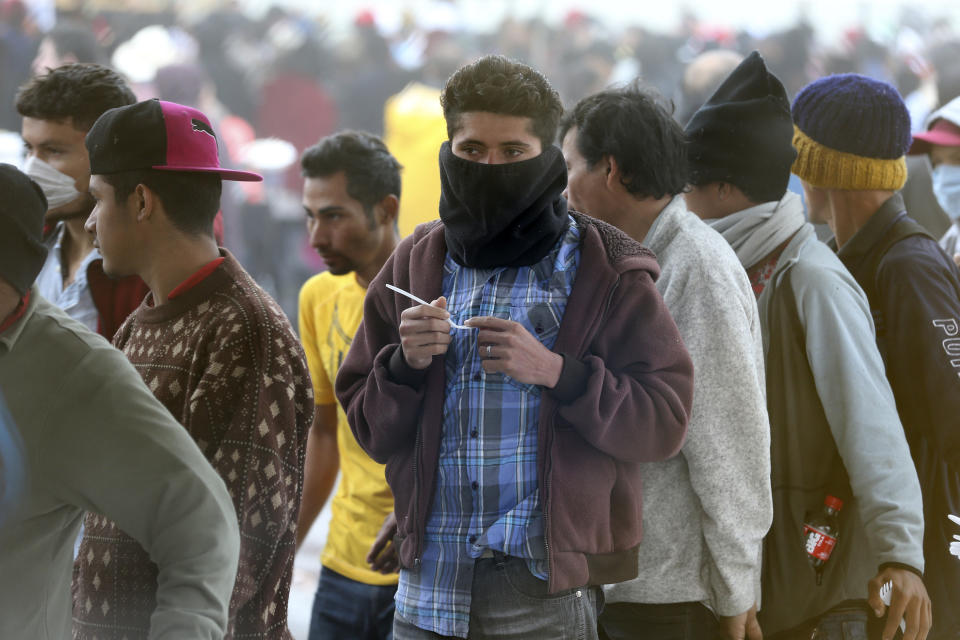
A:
(386, 562)
(753, 630)
(873, 595)
(378, 546)
(491, 323)
(421, 311)
(898, 607)
(912, 616)
(411, 326)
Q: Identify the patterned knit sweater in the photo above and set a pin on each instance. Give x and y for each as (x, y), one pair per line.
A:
(224, 360)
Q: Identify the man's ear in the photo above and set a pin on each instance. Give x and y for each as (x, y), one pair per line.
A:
(145, 202)
(387, 210)
(613, 172)
(724, 190)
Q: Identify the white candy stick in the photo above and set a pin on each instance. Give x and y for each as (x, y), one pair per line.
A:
(416, 299)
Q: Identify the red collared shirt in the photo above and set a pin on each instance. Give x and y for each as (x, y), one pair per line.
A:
(202, 274)
(17, 313)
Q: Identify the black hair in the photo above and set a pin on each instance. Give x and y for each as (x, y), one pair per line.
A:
(191, 200)
(636, 127)
(80, 91)
(372, 172)
(77, 39)
(758, 187)
(499, 85)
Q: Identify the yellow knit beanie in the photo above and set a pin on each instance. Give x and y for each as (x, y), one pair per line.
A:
(828, 168)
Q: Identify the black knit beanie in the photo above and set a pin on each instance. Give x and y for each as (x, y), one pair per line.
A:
(743, 133)
(22, 207)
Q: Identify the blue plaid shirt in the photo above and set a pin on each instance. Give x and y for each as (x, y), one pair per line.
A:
(486, 484)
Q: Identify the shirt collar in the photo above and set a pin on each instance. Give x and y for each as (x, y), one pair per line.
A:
(866, 238)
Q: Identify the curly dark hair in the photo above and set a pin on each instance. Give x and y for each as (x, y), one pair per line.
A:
(372, 172)
(635, 126)
(499, 85)
(81, 91)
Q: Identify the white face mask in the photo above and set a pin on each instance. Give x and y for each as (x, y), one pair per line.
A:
(57, 187)
(946, 186)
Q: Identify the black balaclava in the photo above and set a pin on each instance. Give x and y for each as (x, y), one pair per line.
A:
(502, 215)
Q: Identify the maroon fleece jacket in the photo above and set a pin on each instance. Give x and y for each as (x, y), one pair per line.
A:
(623, 398)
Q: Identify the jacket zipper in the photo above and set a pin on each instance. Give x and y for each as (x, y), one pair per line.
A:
(549, 461)
(416, 499)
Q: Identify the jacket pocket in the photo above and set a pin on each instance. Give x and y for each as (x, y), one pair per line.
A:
(594, 500)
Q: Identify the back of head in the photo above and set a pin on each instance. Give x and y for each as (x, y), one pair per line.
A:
(22, 254)
(636, 127)
(180, 83)
(742, 134)
(498, 85)
(81, 92)
(851, 132)
(76, 41)
(372, 172)
(702, 77)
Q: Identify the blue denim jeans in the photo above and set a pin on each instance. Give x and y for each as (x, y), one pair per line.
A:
(847, 624)
(345, 608)
(510, 603)
(673, 621)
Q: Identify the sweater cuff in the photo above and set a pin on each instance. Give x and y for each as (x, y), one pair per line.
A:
(402, 373)
(900, 565)
(573, 379)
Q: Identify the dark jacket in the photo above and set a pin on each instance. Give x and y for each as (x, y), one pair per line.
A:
(623, 398)
(914, 294)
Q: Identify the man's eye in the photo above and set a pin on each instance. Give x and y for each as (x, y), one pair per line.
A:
(513, 153)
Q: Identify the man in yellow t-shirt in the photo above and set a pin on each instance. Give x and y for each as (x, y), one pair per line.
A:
(351, 195)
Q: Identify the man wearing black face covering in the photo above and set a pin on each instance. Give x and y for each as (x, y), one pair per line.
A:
(514, 458)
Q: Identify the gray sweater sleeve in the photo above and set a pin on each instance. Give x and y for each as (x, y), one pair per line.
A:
(113, 449)
(859, 405)
(728, 444)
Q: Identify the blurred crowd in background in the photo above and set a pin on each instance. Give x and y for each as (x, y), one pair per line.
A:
(286, 76)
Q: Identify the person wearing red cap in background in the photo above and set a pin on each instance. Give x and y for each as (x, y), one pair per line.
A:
(941, 144)
(214, 348)
(91, 437)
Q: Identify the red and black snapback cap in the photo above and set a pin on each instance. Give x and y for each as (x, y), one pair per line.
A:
(157, 135)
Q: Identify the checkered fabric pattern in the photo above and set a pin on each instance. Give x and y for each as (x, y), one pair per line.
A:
(487, 492)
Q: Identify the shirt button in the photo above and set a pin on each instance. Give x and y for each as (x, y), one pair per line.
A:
(474, 433)
(538, 329)
(472, 539)
(476, 377)
(475, 485)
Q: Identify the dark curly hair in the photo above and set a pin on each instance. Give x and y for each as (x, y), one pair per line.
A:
(636, 127)
(81, 91)
(372, 172)
(499, 85)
